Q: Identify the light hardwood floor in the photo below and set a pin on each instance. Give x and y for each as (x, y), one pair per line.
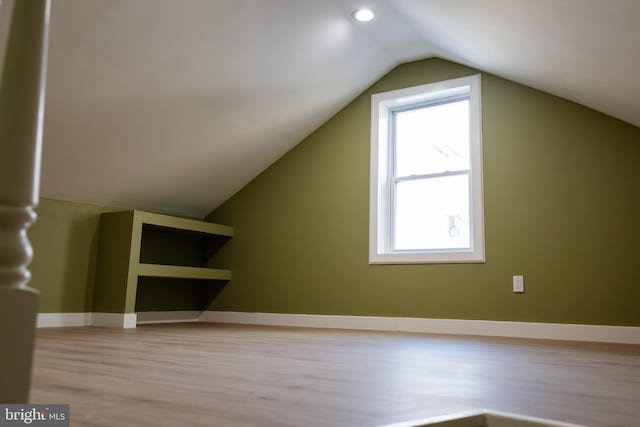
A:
(228, 375)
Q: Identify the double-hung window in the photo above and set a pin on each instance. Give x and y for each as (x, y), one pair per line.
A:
(426, 174)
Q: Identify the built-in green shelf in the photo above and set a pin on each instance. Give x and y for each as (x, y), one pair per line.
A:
(183, 224)
(133, 245)
(182, 272)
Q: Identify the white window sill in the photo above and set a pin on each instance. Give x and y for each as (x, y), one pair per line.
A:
(426, 258)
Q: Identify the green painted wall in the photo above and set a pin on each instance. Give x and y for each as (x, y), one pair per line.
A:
(561, 208)
(64, 240)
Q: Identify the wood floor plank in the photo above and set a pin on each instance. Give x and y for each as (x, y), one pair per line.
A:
(230, 375)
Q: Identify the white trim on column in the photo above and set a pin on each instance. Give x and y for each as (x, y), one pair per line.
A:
(552, 331)
(58, 320)
(120, 320)
(168, 316)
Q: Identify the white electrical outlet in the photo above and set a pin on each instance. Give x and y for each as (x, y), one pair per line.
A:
(518, 283)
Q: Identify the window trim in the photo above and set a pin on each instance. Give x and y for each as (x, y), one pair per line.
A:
(380, 209)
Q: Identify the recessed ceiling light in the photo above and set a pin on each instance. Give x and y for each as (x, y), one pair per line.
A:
(363, 15)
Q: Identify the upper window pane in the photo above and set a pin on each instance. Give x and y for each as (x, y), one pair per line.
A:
(432, 139)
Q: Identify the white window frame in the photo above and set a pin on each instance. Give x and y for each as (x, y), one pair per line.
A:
(380, 208)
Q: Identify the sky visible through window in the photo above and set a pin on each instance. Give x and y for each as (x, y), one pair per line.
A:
(433, 212)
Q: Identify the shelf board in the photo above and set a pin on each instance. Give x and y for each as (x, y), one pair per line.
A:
(181, 272)
(184, 224)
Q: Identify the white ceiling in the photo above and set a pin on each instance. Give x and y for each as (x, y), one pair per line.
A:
(173, 106)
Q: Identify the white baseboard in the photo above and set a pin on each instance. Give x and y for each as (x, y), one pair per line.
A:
(119, 320)
(552, 331)
(168, 316)
(58, 320)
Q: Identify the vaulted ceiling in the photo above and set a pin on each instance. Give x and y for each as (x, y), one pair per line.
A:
(173, 106)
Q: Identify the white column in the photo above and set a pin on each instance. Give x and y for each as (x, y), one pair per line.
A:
(22, 88)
